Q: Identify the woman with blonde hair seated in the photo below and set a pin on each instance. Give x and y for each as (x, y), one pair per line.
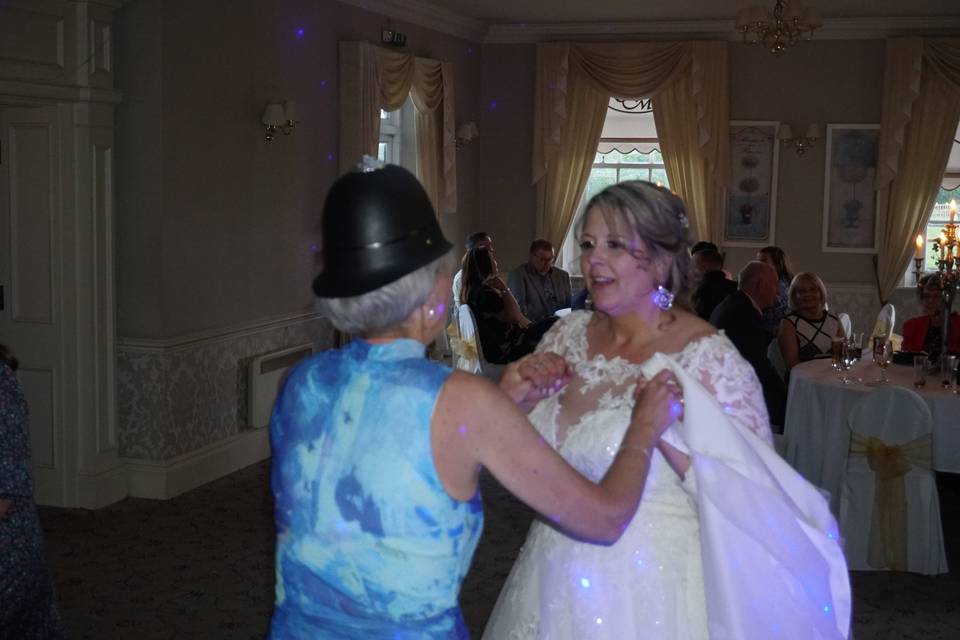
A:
(809, 329)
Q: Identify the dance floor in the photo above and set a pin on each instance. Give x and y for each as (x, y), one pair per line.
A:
(201, 566)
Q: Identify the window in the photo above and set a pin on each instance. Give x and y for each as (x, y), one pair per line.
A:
(398, 136)
(628, 150)
(940, 215)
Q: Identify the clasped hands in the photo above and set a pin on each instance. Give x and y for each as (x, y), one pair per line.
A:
(540, 375)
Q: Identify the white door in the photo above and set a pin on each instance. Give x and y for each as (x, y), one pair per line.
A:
(30, 255)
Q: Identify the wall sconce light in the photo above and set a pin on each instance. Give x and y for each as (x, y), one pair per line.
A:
(800, 144)
(280, 117)
(466, 132)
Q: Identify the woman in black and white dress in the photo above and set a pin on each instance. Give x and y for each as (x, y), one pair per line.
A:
(809, 329)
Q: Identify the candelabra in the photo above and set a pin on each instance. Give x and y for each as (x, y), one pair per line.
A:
(946, 248)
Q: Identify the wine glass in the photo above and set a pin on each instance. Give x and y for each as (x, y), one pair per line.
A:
(882, 354)
(851, 353)
(836, 353)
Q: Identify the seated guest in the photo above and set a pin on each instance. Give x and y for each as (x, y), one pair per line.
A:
(539, 287)
(474, 240)
(740, 316)
(925, 333)
(777, 258)
(713, 286)
(505, 333)
(809, 329)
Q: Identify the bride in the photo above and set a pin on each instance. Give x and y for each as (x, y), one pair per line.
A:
(728, 541)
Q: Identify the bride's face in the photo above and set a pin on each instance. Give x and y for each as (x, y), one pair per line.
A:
(619, 271)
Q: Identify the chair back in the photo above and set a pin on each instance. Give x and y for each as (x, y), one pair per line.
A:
(891, 414)
(467, 353)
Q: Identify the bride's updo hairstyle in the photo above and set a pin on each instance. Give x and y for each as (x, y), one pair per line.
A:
(653, 215)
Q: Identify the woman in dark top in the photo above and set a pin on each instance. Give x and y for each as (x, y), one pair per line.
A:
(809, 329)
(505, 333)
(777, 258)
(28, 610)
(925, 333)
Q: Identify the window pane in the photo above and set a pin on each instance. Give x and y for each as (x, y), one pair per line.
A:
(655, 157)
(660, 175)
(599, 179)
(383, 152)
(384, 115)
(634, 174)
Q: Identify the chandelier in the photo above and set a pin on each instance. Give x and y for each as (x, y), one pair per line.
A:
(789, 23)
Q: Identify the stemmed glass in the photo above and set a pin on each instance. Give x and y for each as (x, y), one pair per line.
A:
(882, 354)
(852, 351)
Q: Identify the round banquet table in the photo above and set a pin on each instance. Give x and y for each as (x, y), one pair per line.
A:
(818, 405)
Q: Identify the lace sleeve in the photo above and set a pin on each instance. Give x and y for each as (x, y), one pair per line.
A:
(722, 370)
(566, 337)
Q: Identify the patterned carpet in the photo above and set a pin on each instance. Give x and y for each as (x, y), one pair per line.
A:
(201, 566)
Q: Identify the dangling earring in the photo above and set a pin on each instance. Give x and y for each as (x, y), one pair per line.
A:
(663, 298)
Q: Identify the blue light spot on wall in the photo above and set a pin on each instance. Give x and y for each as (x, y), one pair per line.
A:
(462, 429)
(584, 583)
(826, 608)
(330, 157)
(493, 104)
(300, 32)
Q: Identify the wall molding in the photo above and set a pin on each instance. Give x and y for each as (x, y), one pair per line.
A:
(170, 478)
(212, 336)
(833, 29)
(427, 15)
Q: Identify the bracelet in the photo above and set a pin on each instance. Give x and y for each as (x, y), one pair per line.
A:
(632, 447)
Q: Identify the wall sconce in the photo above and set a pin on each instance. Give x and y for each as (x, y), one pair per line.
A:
(466, 132)
(799, 143)
(280, 117)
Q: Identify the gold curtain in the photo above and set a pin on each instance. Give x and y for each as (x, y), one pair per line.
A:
(921, 110)
(574, 84)
(373, 78)
(696, 157)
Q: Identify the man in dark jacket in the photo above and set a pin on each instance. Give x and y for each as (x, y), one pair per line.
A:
(713, 286)
(740, 317)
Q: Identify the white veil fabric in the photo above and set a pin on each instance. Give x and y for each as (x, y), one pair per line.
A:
(772, 561)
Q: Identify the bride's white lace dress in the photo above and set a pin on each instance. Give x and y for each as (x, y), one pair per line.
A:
(650, 584)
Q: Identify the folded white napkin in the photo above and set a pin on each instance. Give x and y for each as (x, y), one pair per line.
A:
(846, 324)
(885, 321)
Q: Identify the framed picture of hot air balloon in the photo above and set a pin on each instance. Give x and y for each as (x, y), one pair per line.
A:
(752, 194)
(849, 198)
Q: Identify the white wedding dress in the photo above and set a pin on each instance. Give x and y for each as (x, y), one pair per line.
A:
(651, 584)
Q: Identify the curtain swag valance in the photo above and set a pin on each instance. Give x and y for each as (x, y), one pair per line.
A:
(373, 78)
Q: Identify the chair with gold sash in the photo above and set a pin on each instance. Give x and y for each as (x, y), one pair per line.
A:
(889, 508)
(465, 344)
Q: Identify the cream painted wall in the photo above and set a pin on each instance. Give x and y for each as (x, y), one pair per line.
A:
(827, 82)
(508, 199)
(215, 226)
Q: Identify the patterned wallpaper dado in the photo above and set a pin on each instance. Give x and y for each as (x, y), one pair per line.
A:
(175, 399)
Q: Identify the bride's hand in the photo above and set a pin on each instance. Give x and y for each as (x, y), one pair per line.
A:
(534, 377)
(658, 401)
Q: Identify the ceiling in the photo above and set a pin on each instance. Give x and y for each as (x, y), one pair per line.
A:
(554, 11)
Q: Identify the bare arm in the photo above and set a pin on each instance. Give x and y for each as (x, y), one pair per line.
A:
(474, 424)
(511, 308)
(534, 377)
(787, 337)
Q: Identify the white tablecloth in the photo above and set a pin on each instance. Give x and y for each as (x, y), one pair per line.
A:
(817, 432)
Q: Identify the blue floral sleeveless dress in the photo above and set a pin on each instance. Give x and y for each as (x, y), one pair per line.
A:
(369, 544)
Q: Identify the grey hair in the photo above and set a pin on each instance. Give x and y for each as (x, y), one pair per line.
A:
(652, 214)
(809, 276)
(388, 306)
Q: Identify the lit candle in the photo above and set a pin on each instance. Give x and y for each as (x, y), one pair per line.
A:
(660, 184)
(919, 245)
(953, 210)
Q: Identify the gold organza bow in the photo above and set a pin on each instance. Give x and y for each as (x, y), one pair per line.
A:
(888, 524)
(465, 349)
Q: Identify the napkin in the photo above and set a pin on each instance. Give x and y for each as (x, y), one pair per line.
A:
(846, 324)
(885, 320)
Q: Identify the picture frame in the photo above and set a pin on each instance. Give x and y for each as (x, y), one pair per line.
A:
(850, 203)
(751, 212)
